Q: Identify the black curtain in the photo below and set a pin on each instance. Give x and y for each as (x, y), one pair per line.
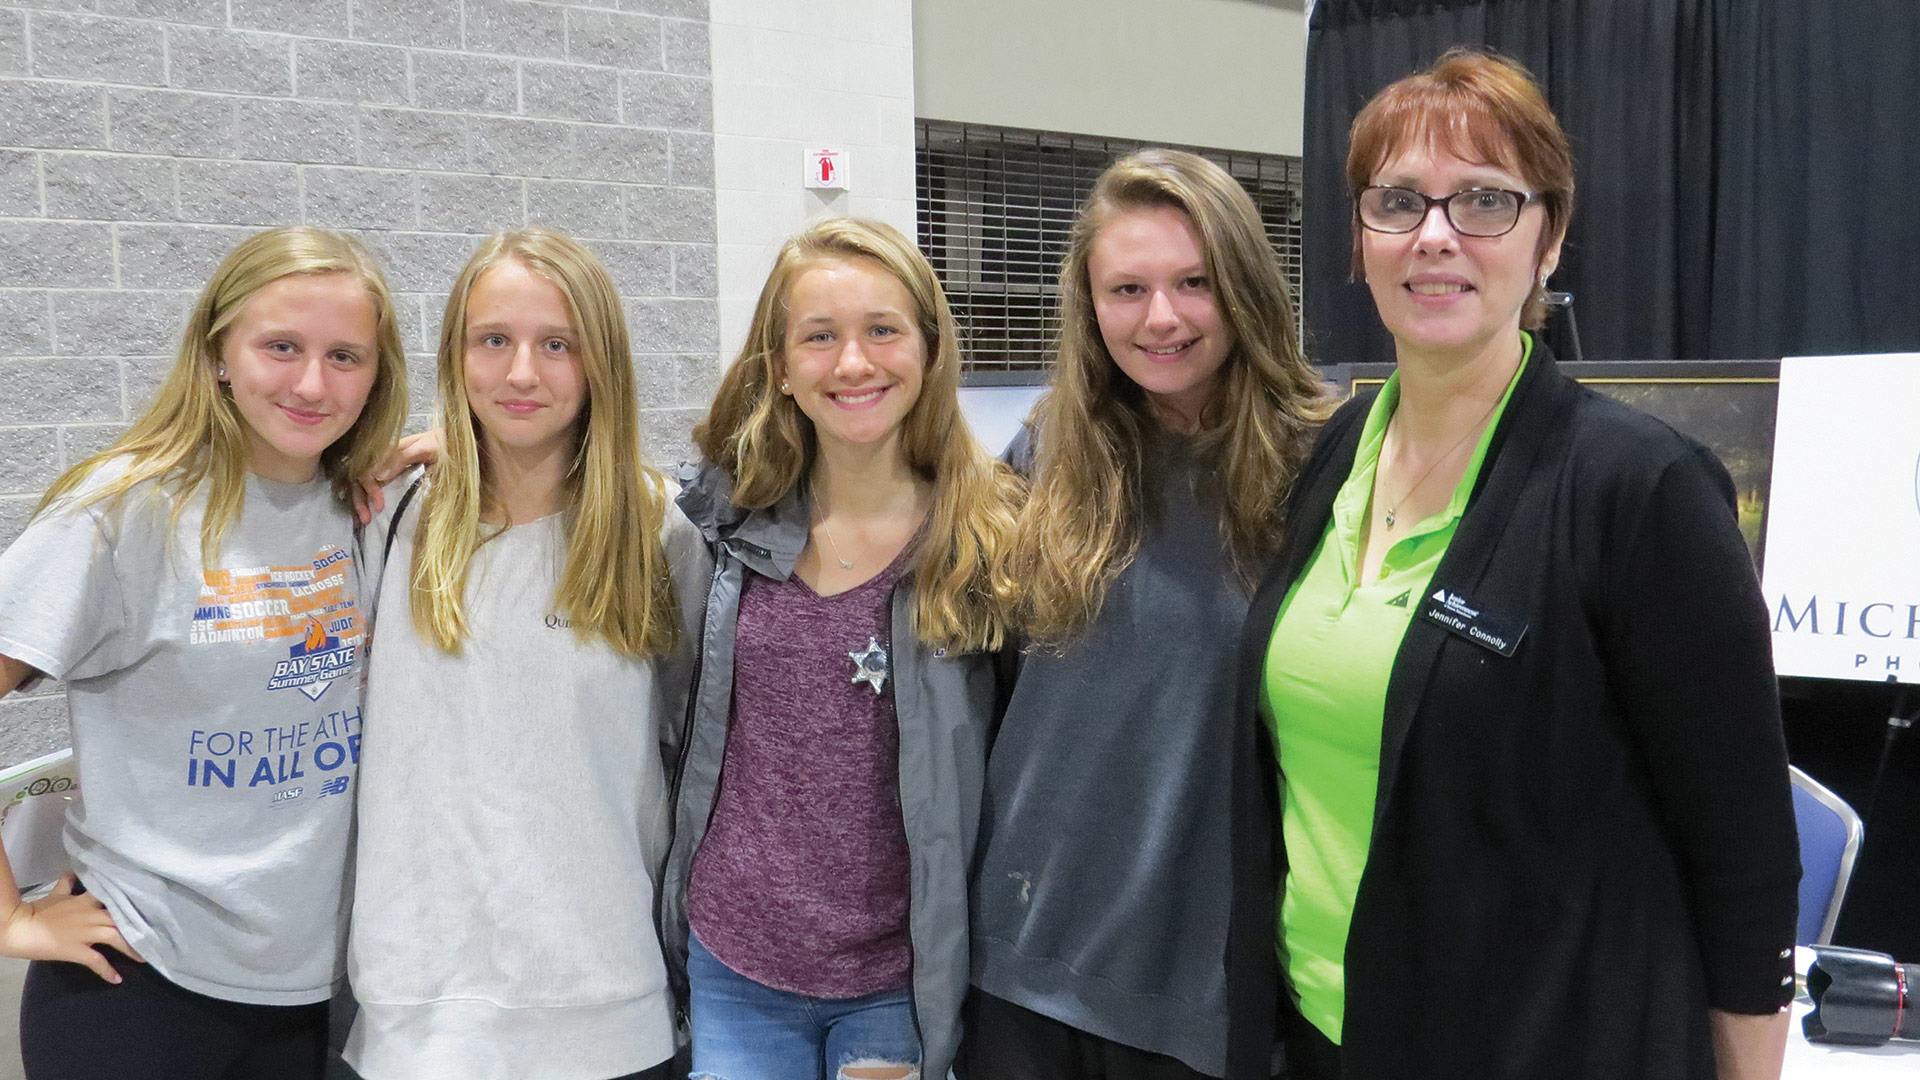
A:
(1749, 170)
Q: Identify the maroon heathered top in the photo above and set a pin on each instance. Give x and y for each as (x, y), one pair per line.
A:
(801, 881)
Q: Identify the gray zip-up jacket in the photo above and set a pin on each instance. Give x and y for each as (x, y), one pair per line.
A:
(943, 703)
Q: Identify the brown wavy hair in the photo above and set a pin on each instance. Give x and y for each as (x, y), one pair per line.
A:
(1081, 525)
(1481, 107)
(767, 445)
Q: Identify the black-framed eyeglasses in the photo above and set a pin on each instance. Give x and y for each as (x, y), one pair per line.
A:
(1473, 212)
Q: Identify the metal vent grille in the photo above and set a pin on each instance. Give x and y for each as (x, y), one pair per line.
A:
(995, 205)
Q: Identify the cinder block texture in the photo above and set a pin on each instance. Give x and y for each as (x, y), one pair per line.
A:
(430, 23)
(173, 256)
(40, 253)
(19, 184)
(118, 322)
(680, 9)
(465, 203)
(459, 82)
(29, 460)
(201, 58)
(34, 113)
(347, 70)
(13, 43)
(570, 92)
(516, 28)
(98, 50)
(588, 211)
(203, 12)
(694, 271)
(108, 187)
(359, 198)
(239, 192)
(314, 18)
(666, 101)
(29, 323)
(30, 726)
(611, 38)
(141, 139)
(170, 123)
(688, 48)
(412, 139)
(316, 132)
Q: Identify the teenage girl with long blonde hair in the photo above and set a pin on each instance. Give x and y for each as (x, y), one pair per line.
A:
(531, 658)
(199, 587)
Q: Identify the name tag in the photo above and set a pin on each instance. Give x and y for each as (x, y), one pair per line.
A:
(1462, 619)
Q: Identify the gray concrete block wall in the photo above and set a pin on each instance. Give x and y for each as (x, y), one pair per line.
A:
(141, 139)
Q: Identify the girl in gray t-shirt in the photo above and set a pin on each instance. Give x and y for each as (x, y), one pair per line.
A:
(198, 586)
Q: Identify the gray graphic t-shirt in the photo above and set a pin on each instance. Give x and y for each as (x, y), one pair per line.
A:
(216, 725)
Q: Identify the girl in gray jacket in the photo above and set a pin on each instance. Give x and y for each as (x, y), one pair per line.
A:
(828, 790)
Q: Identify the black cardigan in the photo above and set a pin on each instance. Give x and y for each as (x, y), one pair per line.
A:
(1577, 847)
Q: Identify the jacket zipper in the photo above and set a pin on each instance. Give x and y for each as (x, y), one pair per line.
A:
(676, 975)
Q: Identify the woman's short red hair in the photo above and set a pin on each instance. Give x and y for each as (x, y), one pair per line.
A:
(1483, 108)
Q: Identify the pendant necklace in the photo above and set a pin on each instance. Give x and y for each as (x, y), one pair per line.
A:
(845, 563)
(1393, 508)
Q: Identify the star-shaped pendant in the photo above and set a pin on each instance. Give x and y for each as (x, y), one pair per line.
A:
(870, 664)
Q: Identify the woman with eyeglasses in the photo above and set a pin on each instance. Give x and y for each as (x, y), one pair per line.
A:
(1528, 811)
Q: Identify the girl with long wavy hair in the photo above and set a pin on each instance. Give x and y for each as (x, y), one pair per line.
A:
(515, 810)
(830, 785)
(1180, 409)
(200, 588)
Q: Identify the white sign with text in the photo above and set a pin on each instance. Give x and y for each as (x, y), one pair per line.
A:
(1842, 577)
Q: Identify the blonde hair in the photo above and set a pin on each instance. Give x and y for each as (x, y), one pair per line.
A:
(616, 584)
(767, 445)
(1081, 526)
(194, 434)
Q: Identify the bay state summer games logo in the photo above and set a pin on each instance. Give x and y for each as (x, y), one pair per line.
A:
(309, 604)
(313, 662)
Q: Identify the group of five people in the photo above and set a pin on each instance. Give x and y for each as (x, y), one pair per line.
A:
(1435, 736)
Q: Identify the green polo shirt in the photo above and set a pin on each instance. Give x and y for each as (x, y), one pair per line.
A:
(1325, 693)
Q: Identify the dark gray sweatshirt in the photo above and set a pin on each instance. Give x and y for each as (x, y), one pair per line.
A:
(1103, 879)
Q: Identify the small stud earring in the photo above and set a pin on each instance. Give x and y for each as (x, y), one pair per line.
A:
(222, 372)
(784, 388)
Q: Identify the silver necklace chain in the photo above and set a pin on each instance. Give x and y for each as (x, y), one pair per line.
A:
(1393, 508)
(845, 563)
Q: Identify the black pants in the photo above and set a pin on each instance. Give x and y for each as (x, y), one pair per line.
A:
(666, 1070)
(1003, 1041)
(76, 1026)
(662, 1071)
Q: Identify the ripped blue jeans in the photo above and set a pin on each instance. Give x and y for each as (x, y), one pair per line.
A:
(745, 1031)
